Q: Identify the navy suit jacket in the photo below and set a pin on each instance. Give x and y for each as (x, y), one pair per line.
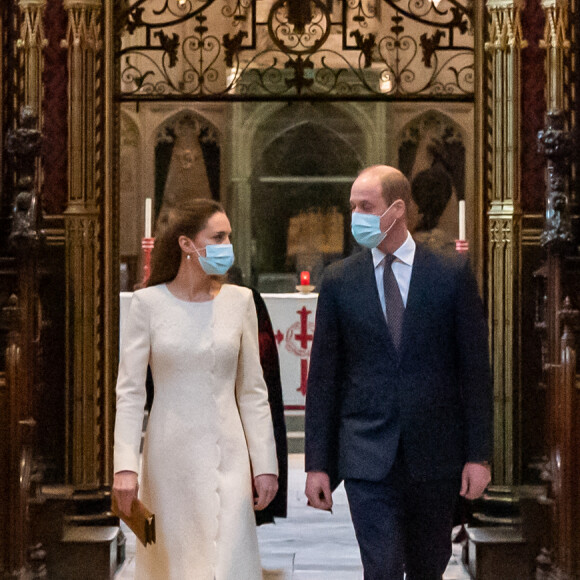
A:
(433, 396)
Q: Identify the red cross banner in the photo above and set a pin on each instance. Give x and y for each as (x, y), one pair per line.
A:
(292, 317)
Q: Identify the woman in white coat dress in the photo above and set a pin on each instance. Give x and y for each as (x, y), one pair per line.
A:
(209, 457)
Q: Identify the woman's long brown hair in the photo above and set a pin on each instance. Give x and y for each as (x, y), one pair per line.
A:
(186, 220)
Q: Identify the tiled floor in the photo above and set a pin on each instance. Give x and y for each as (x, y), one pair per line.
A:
(309, 544)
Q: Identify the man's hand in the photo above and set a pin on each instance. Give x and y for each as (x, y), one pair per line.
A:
(474, 479)
(125, 488)
(266, 486)
(318, 490)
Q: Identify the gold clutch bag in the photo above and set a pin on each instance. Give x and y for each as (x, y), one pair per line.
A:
(141, 521)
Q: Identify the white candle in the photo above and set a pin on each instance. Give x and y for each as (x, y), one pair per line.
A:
(147, 217)
(462, 219)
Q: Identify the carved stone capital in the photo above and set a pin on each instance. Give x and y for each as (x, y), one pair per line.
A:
(505, 31)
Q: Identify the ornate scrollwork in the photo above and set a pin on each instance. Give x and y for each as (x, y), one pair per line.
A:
(293, 35)
(393, 48)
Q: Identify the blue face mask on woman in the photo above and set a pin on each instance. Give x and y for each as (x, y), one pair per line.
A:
(218, 259)
(366, 228)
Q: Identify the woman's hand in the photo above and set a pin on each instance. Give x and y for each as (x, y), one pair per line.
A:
(125, 488)
(266, 486)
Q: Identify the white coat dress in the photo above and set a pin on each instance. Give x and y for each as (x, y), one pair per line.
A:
(209, 431)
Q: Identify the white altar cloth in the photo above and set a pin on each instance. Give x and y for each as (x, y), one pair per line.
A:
(292, 317)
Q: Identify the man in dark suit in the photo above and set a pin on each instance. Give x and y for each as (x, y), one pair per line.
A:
(399, 401)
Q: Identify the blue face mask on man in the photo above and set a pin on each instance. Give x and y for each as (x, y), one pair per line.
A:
(218, 259)
(366, 228)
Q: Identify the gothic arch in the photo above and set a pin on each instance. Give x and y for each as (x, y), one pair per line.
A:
(249, 141)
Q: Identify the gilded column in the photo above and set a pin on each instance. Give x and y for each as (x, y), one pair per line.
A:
(83, 231)
(556, 45)
(32, 42)
(504, 225)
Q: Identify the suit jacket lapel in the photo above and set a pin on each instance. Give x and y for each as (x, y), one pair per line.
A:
(418, 286)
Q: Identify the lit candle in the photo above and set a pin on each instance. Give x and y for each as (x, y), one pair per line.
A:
(148, 217)
(305, 278)
(462, 219)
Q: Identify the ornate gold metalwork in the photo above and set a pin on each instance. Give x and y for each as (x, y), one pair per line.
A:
(557, 45)
(506, 26)
(85, 410)
(32, 42)
(504, 225)
(394, 49)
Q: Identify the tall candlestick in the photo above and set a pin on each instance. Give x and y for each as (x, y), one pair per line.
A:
(148, 217)
(462, 219)
(147, 245)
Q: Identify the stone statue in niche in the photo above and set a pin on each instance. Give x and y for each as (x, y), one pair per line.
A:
(432, 156)
(186, 162)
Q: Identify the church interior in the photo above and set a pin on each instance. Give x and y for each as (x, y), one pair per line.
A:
(113, 110)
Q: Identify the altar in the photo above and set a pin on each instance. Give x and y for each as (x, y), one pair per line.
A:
(292, 317)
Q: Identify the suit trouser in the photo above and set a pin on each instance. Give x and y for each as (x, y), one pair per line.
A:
(403, 525)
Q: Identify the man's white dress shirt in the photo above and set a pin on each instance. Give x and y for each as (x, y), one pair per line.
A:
(402, 269)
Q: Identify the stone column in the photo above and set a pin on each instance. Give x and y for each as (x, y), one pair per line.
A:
(245, 119)
(504, 224)
(242, 210)
(84, 239)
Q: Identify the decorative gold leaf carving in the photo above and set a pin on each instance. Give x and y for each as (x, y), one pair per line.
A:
(506, 28)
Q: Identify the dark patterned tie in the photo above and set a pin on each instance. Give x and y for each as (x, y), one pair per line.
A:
(393, 302)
